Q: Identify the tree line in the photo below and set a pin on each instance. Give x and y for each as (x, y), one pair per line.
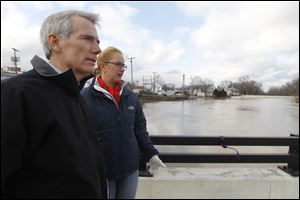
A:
(246, 86)
(290, 88)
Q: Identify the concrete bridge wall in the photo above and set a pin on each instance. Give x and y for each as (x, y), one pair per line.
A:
(219, 183)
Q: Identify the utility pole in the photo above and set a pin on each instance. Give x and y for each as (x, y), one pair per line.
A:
(154, 81)
(15, 59)
(131, 70)
(183, 82)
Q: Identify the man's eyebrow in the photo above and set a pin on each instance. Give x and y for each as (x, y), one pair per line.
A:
(90, 37)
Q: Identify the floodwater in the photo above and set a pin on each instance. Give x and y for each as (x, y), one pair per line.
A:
(245, 116)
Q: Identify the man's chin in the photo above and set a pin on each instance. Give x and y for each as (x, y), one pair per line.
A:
(89, 70)
(83, 72)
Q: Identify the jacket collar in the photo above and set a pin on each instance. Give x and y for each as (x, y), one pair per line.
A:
(66, 80)
(97, 88)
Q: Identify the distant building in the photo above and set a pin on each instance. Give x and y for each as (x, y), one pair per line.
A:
(158, 89)
(170, 92)
(232, 91)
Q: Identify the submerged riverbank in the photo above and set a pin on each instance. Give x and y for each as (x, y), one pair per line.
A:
(145, 98)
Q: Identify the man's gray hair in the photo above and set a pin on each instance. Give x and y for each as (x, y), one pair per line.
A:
(60, 24)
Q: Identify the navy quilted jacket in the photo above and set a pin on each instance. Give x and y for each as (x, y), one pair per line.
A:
(121, 131)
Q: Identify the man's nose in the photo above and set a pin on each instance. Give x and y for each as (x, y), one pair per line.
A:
(97, 50)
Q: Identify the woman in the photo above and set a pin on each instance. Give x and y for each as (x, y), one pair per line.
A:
(120, 123)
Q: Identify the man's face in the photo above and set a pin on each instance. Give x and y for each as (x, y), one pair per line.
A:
(80, 50)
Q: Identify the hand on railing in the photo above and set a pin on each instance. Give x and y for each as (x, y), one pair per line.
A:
(155, 163)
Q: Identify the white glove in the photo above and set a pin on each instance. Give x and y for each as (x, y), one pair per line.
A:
(155, 163)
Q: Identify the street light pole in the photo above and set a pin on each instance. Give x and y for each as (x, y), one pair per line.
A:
(131, 70)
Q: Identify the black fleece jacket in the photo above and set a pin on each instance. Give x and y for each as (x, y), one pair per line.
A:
(48, 146)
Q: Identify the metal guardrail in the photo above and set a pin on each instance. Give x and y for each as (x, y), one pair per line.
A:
(291, 157)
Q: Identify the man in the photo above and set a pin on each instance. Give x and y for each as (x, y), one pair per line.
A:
(48, 147)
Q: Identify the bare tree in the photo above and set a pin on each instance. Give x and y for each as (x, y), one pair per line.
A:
(247, 86)
(291, 88)
(274, 91)
(225, 84)
(195, 83)
(159, 80)
(205, 84)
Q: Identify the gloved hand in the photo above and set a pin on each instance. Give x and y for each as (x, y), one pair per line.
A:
(155, 163)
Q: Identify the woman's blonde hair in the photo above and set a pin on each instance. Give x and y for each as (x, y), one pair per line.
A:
(105, 56)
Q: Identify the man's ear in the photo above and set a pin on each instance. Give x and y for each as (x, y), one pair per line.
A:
(53, 41)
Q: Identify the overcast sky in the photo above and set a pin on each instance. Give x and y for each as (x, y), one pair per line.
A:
(213, 40)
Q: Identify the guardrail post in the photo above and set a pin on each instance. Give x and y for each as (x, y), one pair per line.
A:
(292, 168)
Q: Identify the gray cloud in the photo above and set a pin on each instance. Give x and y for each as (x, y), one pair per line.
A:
(171, 72)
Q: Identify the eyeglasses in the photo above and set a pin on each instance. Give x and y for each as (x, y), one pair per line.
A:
(120, 65)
